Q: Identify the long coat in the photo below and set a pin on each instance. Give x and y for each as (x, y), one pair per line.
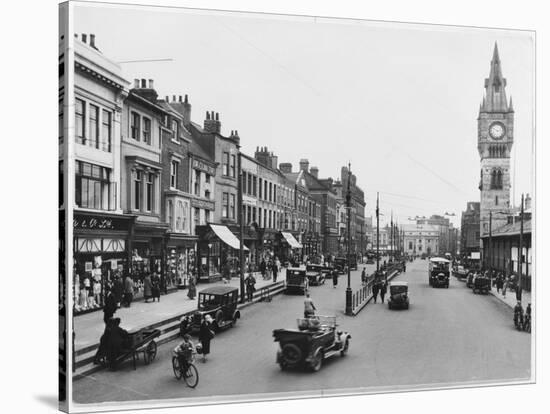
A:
(205, 336)
(155, 286)
(118, 290)
(147, 287)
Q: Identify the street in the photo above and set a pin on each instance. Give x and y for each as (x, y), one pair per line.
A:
(447, 337)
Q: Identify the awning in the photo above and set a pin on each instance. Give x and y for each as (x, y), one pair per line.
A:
(291, 240)
(226, 236)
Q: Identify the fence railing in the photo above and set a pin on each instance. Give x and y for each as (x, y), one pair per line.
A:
(361, 296)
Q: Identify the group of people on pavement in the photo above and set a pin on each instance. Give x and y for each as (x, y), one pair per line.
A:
(270, 268)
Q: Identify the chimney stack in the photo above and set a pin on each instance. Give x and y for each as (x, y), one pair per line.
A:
(285, 167)
(136, 83)
(151, 84)
(179, 98)
(212, 122)
(304, 165)
(314, 171)
(167, 99)
(84, 37)
(92, 41)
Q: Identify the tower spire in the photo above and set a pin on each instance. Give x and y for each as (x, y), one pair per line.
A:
(495, 86)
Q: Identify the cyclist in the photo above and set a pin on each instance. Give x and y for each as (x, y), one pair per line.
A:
(185, 351)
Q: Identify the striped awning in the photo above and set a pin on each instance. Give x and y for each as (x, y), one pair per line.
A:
(291, 240)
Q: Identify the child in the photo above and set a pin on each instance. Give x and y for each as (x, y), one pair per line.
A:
(185, 350)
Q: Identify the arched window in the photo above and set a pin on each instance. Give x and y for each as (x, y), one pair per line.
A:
(170, 212)
(499, 179)
(496, 179)
(493, 179)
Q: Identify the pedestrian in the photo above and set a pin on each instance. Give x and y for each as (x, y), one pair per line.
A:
(147, 288)
(110, 307)
(155, 286)
(309, 307)
(364, 276)
(250, 286)
(206, 334)
(500, 282)
(192, 288)
(263, 268)
(518, 292)
(276, 265)
(375, 289)
(128, 291)
(504, 287)
(118, 290)
(383, 290)
(334, 278)
(226, 273)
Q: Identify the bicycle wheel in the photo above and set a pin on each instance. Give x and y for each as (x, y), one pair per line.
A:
(191, 376)
(176, 367)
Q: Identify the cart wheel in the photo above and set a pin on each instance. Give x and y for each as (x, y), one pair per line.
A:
(176, 367)
(317, 360)
(150, 352)
(191, 376)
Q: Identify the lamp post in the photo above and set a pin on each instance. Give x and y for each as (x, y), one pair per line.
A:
(241, 227)
(349, 309)
(520, 253)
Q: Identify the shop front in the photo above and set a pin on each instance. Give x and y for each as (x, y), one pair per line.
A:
(288, 248)
(147, 257)
(312, 244)
(218, 252)
(100, 255)
(180, 261)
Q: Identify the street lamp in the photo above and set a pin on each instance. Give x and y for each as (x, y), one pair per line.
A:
(349, 309)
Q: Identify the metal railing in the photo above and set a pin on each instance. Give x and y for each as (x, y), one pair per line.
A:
(362, 296)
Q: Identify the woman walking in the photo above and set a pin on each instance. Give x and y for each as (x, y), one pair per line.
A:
(192, 288)
(383, 290)
(147, 288)
(205, 336)
(155, 286)
(375, 289)
(334, 278)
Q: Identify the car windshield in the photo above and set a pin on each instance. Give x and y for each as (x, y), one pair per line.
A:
(207, 301)
(394, 290)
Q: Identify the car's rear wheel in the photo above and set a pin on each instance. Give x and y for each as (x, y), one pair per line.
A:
(291, 354)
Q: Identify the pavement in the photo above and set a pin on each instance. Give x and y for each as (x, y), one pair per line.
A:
(89, 327)
(510, 298)
(448, 337)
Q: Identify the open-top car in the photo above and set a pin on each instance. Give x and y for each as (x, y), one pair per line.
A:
(315, 339)
(220, 302)
(481, 284)
(296, 280)
(399, 295)
(460, 271)
(315, 274)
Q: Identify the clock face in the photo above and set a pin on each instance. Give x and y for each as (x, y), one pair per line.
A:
(496, 130)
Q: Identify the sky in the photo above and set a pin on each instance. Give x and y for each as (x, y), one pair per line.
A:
(398, 101)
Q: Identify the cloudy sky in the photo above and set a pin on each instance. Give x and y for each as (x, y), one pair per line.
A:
(398, 101)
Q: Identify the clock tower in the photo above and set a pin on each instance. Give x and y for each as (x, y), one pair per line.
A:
(495, 132)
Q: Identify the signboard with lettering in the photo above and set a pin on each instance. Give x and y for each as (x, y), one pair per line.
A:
(208, 205)
(200, 165)
(92, 222)
(249, 200)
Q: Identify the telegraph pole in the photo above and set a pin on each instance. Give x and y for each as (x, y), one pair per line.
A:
(377, 235)
(241, 227)
(520, 252)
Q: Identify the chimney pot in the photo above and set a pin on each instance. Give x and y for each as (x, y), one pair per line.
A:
(186, 101)
(136, 83)
(92, 40)
(179, 97)
(217, 116)
(143, 83)
(207, 115)
(84, 37)
(151, 84)
(173, 98)
(166, 98)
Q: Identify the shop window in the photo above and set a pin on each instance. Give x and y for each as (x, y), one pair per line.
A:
(80, 116)
(106, 122)
(93, 188)
(146, 131)
(135, 125)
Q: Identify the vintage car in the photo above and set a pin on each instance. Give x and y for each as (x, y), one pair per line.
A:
(220, 302)
(315, 339)
(399, 295)
(481, 284)
(315, 274)
(439, 272)
(460, 271)
(296, 280)
(341, 264)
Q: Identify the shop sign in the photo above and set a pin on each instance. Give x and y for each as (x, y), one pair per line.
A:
(100, 223)
(249, 200)
(199, 165)
(208, 205)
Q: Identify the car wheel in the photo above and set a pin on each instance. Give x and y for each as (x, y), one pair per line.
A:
(291, 354)
(218, 318)
(317, 360)
(344, 350)
(234, 321)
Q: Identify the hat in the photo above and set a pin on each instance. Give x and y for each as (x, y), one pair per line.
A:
(208, 318)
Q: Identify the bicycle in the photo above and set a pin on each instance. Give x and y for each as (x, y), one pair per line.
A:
(186, 370)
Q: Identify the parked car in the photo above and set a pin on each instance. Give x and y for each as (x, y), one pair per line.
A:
(296, 280)
(315, 274)
(460, 271)
(315, 340)
(341, 264)
(481, 284)
(220, 302)
(399, 295)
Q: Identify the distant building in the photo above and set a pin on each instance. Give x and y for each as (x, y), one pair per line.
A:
(421, 239)
(469, 230)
